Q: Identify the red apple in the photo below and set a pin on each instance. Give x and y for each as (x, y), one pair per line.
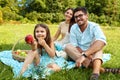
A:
(16, 52)
(29, 39)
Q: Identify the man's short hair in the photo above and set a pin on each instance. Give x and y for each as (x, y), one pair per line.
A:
(83, 9)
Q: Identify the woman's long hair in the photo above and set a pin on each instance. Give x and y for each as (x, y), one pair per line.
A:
(72, 20)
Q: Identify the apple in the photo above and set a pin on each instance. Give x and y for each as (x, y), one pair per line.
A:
(16, 52)
(29, 39)
(23, 53)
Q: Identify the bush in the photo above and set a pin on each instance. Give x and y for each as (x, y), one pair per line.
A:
(57, 17)
(48, 22)
(115, 23)
(45, 17)
(10, 15)
(25, 20)
(51, 17)
(93, 17)
(102, 19)
(33, 16)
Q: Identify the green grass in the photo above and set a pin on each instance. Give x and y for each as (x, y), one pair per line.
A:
(9, 35)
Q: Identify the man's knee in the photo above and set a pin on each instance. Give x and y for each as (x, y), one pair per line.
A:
(98, 55)
(68, 47)
(98, 61)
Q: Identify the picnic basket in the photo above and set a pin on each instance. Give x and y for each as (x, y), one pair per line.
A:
(16, 56)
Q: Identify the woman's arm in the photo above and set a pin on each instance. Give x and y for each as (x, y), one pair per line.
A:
(57, 34)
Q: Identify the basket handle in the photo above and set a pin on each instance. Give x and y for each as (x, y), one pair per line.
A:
(16, 43)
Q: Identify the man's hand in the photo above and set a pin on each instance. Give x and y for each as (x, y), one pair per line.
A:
(79, 61)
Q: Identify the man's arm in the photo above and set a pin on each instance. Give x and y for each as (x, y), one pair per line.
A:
(96, 46)
(79, 49)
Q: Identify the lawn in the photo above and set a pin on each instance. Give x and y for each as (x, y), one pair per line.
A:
(9, 35)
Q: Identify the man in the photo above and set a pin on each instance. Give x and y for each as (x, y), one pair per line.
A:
(86, 42)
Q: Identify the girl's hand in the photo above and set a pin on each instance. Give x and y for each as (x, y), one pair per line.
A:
(41, 41)
(29, 39)
(34, 45)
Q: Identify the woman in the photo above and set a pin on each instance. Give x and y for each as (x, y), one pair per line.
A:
(63, 31)
(64, 27)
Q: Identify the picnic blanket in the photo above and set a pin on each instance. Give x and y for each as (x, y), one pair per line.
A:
(6, 58)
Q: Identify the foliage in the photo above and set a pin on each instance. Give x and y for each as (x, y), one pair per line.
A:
(81, 2)
(35, 10)
(33, 16)
(93, 17)
(1, 17)
(8, 14)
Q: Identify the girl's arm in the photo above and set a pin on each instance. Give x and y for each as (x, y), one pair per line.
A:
(34, 45)
(50, 50)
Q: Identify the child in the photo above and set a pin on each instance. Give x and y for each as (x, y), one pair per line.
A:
(43, 47)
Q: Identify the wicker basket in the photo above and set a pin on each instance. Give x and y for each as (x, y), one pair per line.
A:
(16, 56)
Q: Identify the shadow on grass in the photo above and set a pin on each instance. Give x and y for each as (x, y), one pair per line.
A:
(6, 72)
(21, 46)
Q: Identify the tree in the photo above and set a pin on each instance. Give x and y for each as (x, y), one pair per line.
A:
(95, 6)
(80, 2)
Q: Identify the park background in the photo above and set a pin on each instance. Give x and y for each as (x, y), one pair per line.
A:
(18, 18)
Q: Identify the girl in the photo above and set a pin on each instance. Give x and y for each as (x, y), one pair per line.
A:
(42, 46)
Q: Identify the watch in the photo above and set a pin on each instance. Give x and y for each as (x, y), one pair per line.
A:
(83, 54)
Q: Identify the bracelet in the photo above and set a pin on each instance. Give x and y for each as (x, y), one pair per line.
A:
(83, 54)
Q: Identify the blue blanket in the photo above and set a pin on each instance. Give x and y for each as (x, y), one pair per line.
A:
(6, 58)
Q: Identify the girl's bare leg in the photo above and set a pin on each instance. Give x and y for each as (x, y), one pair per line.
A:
(28, 60)
(54, 67)
(37, 59)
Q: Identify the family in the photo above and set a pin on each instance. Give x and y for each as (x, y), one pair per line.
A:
(81, 41)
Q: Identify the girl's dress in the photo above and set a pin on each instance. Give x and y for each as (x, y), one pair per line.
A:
(42, 68)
